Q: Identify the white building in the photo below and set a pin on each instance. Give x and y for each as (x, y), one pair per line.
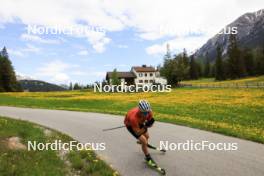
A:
(144, 75)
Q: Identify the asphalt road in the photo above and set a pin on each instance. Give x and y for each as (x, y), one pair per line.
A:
(125, 155)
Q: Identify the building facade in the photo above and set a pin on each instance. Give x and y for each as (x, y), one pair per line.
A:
(141, 75)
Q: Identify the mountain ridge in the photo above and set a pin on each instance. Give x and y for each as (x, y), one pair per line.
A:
(39, 86)
(250, 34)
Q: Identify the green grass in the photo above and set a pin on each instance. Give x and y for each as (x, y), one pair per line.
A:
(248, 80)
(234, 112)
(46, 162)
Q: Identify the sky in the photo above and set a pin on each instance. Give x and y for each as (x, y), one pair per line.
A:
(67, 41)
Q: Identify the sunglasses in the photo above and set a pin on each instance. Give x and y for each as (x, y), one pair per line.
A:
(145, 113)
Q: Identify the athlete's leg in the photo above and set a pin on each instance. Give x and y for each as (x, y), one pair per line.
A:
(144, 144)
(146, 135)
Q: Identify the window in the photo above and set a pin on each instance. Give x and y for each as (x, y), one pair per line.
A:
(140, 81)
(146, 74)
(151, 74)
(146, 81)
(140, 74)
(151, 81)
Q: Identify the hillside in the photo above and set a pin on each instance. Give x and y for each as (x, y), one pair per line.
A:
(208, 81)
(39, 86)
(250, 28)
(235, 112)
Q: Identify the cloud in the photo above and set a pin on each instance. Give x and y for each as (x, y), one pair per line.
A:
(100, 46)
(35, 38)
(116, 65)
(22, 76)
(22, 52)
(122, 46)
(60, 78)
(56, 71)
(13, 52)
(151, 35)
(98, 74)
(91, 73)
(83, 53)
(60, 72)
(82, 13)
(149, 20)
(79, 73)
(98, 42)
(177, 45)
(53, 67)
(30, 48)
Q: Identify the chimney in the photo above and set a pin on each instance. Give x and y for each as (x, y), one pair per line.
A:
(144, 66)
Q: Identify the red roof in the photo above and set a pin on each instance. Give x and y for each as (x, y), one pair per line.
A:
(144, 68)
(121, 75)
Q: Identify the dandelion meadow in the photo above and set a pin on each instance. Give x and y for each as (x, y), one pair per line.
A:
(234, 112)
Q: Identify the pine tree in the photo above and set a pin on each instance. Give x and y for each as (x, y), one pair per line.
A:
(241, 66)
(235, 62)
(176, 69)
(70, 87)
(182, 67)
(232, 64)
(193, 69)
(114, 78)
(76, 86)
(207, 68)
(185, 57)
(199, 69)
(169, 71)
(1, 76)
(168, 54)
(260, 62)
(219, 69)
(248, 58)
(212, 71)
(7, 74)
(4, 53)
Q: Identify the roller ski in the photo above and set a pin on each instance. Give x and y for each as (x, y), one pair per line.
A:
(152, 164)
(154, 148)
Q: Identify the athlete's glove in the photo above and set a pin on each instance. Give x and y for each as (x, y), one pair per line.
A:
(149, 123)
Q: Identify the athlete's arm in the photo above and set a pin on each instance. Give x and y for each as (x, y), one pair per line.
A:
(150, 120)
(135, 126)
(139, 131)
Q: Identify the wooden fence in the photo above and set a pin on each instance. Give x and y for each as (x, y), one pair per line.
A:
(225, 85)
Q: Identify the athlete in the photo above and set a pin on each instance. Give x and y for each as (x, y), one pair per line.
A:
(137, 121)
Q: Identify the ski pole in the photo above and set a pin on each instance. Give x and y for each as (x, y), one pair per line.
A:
(152, 147)
(155, 148)
(108, 129)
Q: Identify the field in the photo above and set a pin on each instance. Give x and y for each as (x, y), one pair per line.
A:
(17, 160)
(210, 81)
(235, 112)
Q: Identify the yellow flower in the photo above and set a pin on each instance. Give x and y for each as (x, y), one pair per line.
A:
(115, 173)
